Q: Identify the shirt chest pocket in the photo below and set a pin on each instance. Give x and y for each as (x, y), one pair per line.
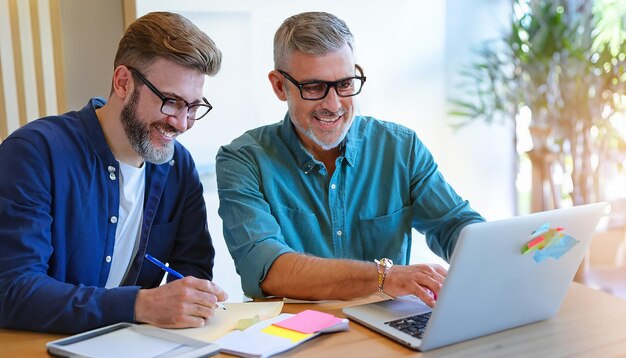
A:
(302, 231)
(386, 236)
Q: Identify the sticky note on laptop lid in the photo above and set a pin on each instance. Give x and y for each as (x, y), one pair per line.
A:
(548, 242)
(309, 321)
(556, 250)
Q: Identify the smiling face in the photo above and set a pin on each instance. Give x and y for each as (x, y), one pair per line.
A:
(321, 124)
(150, 132)
(138, 132)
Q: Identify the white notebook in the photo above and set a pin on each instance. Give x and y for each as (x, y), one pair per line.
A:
(254, 342)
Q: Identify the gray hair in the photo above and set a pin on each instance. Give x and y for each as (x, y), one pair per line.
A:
(312, 33)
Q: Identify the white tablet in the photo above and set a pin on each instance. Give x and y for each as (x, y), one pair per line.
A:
(130, 340)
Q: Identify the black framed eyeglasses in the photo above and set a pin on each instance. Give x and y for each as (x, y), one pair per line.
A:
(316, 90)
(174, 106)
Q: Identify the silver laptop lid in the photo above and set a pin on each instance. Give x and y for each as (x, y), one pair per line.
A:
(492, 285)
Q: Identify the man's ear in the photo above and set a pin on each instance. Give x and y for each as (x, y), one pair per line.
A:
(276, 79)
(123, 83)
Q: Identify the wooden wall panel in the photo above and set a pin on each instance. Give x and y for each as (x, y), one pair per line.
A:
(30, 59)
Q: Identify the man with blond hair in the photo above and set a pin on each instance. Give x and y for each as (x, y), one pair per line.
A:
(91, 192)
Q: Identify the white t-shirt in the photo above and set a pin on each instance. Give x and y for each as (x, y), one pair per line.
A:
(132, 189)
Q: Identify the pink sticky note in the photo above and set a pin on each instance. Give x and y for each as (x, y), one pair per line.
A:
(309, 321)
(535, 241)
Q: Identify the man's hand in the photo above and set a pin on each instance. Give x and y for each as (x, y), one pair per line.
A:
(186, 302)
(423, 281)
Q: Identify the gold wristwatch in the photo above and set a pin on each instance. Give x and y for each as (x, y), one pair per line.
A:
(383, 266)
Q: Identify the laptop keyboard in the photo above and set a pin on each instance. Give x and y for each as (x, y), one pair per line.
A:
(414, 325)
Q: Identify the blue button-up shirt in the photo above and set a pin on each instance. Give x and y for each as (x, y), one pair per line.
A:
(59, 203)
(275, 198)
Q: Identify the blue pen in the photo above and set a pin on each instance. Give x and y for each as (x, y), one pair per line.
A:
(171, 271)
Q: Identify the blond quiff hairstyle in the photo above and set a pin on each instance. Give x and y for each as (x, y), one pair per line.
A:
(169, 36)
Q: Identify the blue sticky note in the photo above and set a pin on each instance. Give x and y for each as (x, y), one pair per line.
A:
(556, 249)
(540, 230)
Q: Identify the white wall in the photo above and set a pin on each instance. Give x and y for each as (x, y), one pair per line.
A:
(409, 50)
(478, 159)
(405, 82)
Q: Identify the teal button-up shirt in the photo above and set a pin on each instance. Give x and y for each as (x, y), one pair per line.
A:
(276, 198)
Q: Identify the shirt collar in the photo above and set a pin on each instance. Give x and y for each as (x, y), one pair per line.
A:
(93, 129)
(306, 161)
(352, 142)
(96, 137)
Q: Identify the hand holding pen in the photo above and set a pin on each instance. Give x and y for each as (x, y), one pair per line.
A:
(172, 272)
(185, 302)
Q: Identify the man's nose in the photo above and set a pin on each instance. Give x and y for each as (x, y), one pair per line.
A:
(332, 101)
(180, 121)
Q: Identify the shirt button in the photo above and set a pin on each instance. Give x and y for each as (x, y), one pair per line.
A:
(111, 169)
(333, 186)
(112, 176)
(107, 259)
(339, 232)
(113, 219)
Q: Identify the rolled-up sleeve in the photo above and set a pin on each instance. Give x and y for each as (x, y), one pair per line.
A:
(438, 211)
(251, 232)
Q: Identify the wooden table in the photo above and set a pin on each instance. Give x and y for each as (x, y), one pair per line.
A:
(590, 323)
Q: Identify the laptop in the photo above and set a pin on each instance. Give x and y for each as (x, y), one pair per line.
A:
(491, 285)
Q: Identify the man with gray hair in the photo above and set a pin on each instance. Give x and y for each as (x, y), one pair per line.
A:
(91, 192)
(320, 205)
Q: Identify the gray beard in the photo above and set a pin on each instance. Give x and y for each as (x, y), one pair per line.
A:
(325, 146)
(138, 134)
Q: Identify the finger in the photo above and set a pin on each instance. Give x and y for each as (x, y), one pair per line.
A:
(219, 293)
(212, 298)
(435, 275)
(426, 270)
(200, 321)
(425, 295)
(431, 283)
(204, 311)
(189, 317)
(206, 292)
(214, 303)
(439, 277)
(432, 271)
(204, 299)
(208, 300)
(195, 316)
(198, 283)
(192, 293)
(209, 287)
(440, 270)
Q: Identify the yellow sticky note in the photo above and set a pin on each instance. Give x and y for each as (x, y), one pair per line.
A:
(294, 336)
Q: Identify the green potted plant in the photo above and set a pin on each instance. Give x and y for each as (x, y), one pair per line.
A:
(560, 74)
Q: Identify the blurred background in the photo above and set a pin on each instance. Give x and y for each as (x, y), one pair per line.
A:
(521, 102)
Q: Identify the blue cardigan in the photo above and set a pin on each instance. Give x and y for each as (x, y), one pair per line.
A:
(59, 202)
